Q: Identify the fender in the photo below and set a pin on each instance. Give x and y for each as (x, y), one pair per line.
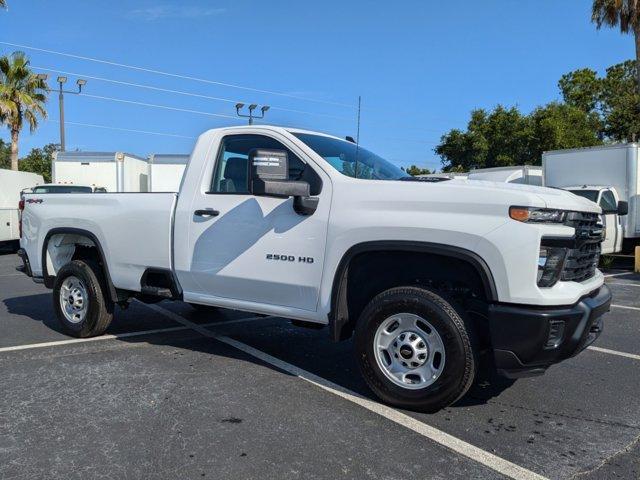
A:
(339, 314)
(49, 279)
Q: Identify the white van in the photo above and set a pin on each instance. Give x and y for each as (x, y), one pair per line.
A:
(524, 174)
(607, 175)
(12, 183)
(113, 171)
(165, 171)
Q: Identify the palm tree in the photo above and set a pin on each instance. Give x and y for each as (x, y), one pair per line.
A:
(3, 4)
(622, 13)
(22, 98)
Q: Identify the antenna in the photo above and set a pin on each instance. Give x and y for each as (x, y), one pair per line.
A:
(358, 137)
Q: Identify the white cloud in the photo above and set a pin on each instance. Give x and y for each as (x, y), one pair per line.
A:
(160, 12)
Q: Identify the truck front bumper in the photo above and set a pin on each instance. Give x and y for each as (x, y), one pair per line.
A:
(526, 340)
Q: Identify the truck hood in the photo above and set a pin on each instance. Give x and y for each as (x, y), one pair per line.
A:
(551, 197)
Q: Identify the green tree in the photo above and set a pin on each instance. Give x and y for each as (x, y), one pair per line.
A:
(414, 170)
(624, 14)
(506, 137)
(582, 89)
(39, 160)
(22, 98)
(613, 100)
(557, 125)
(495, 139)
(5, 154)
(620, 103)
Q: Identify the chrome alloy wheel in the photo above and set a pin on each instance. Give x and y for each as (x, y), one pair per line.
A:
(74, 300)
(409, 351)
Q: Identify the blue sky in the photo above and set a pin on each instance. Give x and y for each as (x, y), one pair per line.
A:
(420, 66)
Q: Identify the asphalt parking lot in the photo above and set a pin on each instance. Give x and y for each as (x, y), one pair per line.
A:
(172, 393)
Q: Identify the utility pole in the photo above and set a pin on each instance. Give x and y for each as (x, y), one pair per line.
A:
(355, 170)
(61, 91)
(251, 108)
(61, 109)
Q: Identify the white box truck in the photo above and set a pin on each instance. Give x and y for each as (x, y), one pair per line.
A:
(12, 183)
(114, 171)
(525, 174)
(165, 171)
(608, 176)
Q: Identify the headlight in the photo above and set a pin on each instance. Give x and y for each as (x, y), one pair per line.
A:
(550, 264)
(537, 215)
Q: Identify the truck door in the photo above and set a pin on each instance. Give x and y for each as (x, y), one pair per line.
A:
(609, 203)
(253, 249)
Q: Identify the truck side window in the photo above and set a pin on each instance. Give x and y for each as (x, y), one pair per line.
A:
(231, 173)
(608, 201)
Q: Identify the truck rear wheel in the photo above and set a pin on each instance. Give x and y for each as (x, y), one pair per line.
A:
(79, 299)
(414, 349)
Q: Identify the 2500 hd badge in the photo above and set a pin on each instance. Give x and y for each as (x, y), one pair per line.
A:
(288, 258)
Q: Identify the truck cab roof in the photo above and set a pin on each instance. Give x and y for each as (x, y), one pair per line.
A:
(276, 128)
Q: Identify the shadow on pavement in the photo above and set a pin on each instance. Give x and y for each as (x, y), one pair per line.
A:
(311, 350)
(36, 307)
(9, 248)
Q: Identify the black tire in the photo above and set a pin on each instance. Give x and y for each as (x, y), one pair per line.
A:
(100, 308)
(460, 365)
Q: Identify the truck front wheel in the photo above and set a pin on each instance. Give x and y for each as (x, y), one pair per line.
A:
(79, 299)
(414, 349)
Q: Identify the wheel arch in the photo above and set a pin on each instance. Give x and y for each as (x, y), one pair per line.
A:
(94, 243)
(341, 324)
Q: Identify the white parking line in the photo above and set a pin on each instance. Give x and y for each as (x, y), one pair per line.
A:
(118, 336)
(626, 284)
(483, 457)
(625, 306)
(13, 275)
(618, 274)
(615, 352)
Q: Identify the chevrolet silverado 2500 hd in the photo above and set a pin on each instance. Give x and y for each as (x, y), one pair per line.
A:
(424, 275)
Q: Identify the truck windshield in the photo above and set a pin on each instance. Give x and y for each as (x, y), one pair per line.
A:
(62, 189)
(341, 155)
(588, 194)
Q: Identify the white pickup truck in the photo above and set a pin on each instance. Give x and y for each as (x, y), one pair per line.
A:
(424, 275)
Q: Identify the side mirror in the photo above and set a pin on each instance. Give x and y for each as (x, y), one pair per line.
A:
(268, 164)
(623, 208)
(269, 174)
(280, 188)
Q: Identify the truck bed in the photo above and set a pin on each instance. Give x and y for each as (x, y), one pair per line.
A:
(133, 229)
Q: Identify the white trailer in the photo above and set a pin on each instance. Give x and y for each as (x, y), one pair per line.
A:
(524, 174)
(114, 171)
(605, 175)
(11, 184)
(165, 171)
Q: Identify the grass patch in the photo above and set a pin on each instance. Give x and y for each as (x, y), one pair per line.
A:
(606, 261)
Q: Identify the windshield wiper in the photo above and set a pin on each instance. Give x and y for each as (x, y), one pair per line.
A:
(424, 179)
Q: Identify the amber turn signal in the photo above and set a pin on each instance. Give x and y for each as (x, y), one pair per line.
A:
(519, 213)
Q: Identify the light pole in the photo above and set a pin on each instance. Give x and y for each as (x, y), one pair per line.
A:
(251, 108)
(61, 81)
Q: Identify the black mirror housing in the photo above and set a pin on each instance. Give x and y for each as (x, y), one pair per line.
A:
(623, 208)
(269, 165)
(305, 205)
(280, 188)
(269, 176)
